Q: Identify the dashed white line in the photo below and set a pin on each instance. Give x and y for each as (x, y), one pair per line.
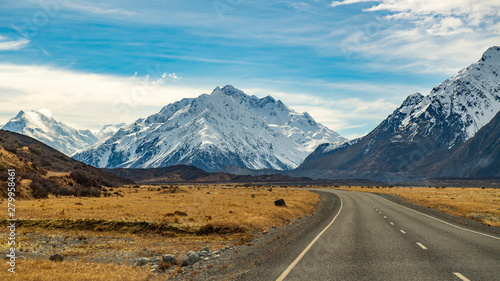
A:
(402, 231)
(380, 212)
(422, 246)
(294, 263)
(491, 236)
(385, 217)
(391, 223)
(463, 278)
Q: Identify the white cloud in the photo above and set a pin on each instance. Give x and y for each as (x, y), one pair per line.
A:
(45, 111)
(85, 100)
(7, 44)
(97, 10)
(425, 35)
(339, 115)
(348, 2)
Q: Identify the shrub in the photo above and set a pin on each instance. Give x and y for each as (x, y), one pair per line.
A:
(85, 178)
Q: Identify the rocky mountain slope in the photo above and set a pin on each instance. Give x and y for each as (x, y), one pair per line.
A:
(212, 131)
(478, 157)
(423, 131)
(42, 170)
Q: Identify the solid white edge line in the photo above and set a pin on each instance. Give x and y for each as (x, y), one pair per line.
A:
(294, 263)
(463, 278)
(422, 246)
(491, 236)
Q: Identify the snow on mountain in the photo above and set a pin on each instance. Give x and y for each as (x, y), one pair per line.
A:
(328, 147)
(423, 131)
(463, 104)
(108, 130)
(43, 127)
(212, 131)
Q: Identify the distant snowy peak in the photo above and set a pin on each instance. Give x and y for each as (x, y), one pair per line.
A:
(462, 104)
(108, 130)
(227, 127)
(43, 127)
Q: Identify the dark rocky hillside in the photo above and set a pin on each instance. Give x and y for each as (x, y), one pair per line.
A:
(42, 171)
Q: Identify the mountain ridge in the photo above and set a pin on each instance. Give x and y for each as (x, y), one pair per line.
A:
(227, 127)
(43, 127)
(423, 131)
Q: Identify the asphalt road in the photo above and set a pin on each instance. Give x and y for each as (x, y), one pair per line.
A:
(367, 237)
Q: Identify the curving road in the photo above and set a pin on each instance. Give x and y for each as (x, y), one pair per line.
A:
(368, 237)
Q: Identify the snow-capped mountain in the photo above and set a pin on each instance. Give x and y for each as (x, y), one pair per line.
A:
(108, 130)
(423, 130)
(460, 106)
(43, 127)
(212, 131)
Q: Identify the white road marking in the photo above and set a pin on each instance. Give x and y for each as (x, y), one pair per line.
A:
(380, 212)
(422, 246)
(491, 236)
(402, 231)
(463, 278)
(391, 223)
(294, 263)
(385, 217)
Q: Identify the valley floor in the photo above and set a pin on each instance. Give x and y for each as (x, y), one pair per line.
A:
(115, 232)
(104, 238)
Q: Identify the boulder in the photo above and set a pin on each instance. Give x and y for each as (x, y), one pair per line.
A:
(141, 262)
(205, 249)
(280, 203)
(171, 259)
(191, 258)
(56, 257)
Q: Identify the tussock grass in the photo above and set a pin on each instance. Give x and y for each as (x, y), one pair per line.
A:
(145, 221)
(189, 207)
(472, 203)
(34, 270)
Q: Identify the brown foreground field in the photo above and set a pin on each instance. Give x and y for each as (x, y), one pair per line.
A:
(101, 238)
(471, 203)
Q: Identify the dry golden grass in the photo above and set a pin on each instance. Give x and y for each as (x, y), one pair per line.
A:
(472, 203)
(245, 207)
(34, 270)
(248, 208)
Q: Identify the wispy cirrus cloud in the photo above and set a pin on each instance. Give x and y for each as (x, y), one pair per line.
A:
(94, 9)
(7, 44)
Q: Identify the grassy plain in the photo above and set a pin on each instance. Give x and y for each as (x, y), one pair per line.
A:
(192, 207)
(100, 238)
(472, 203)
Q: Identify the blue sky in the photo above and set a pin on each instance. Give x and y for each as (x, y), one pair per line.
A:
(348, 63)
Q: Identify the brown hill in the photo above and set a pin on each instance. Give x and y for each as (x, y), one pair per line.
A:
(191, 174)
(42, 171)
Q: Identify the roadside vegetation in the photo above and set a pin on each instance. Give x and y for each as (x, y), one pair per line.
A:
(481, 204)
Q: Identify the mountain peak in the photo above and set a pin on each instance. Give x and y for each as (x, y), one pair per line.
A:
(40, 124)
(413, 99)
(20, 114)
(492, 55)
(227, 127)
(228, 90)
